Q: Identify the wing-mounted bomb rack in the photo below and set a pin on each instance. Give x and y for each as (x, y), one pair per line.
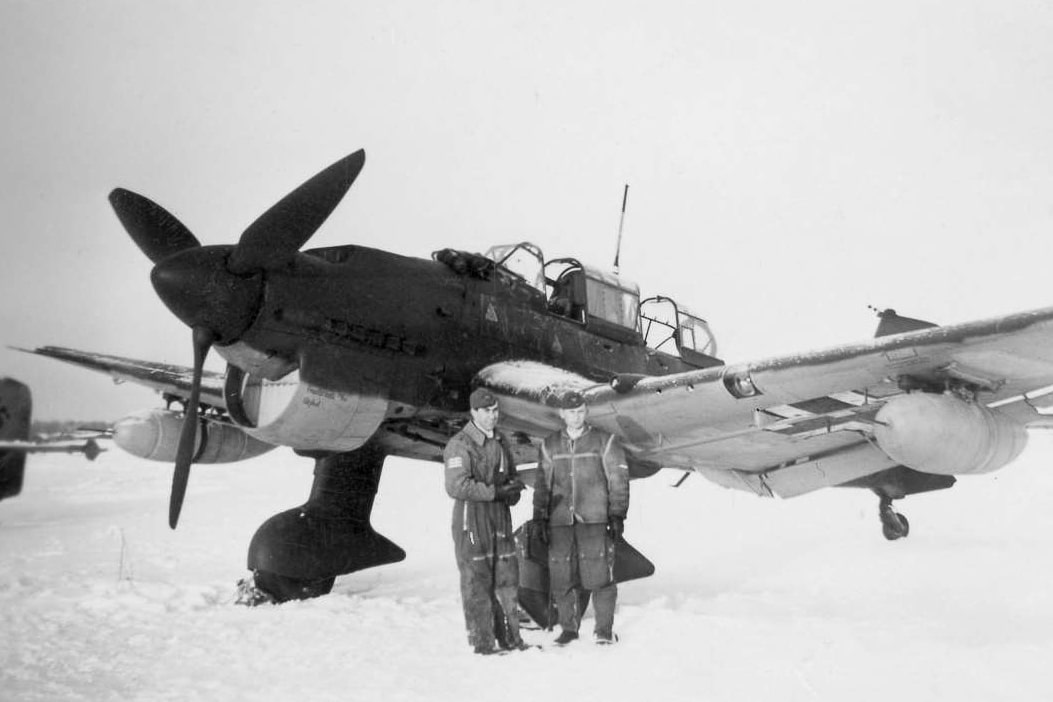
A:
(846, 411)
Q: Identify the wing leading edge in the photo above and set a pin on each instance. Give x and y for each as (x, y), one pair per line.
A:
(794, 423)
(169, 380)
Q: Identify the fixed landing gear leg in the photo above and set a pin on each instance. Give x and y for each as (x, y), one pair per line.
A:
(893, 524)
(298, 553)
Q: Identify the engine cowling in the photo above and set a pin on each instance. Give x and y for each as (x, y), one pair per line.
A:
(154, 434)
(295, 413)
(945, 435)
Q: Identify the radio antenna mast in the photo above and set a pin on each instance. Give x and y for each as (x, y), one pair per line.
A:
(621, 223)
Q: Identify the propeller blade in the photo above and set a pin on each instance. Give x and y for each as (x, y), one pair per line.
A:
(185, 452)
(153, 228)
(273, 239)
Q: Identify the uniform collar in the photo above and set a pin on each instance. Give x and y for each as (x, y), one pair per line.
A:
(476, 434)
(584, 433)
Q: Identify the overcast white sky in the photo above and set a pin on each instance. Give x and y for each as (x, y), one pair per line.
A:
(789, 163)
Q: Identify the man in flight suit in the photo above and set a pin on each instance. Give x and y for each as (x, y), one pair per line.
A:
(581, 497)
(481, 478)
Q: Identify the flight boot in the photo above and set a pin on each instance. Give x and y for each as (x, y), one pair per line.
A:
(566, 637)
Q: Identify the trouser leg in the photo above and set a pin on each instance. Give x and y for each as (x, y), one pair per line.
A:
(476, 570)
(603, 602)
(476, 598)
(505, 604)
(563, 576)
(596, 567)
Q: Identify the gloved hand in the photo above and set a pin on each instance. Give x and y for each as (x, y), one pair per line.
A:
(508, 492)
(615, 527)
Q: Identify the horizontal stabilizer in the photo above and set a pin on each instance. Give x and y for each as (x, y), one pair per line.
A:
(900, 481)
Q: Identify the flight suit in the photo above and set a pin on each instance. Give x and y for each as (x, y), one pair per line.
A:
(581, 484)
(484, 544)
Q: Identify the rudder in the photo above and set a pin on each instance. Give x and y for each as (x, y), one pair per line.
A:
(16, 409)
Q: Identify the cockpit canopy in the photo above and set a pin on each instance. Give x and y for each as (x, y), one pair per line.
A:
(524, 260)
(603, 302)
(669, 326)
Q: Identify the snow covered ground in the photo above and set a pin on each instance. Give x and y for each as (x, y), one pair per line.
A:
(753, 599)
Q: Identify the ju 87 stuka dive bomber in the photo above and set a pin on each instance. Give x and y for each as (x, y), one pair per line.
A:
(350, 354)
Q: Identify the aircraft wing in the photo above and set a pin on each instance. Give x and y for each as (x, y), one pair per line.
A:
(169, 380)
(89, 448)
(794, 423)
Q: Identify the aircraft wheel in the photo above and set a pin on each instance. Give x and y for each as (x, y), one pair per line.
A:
(894, 525)
(284, 588)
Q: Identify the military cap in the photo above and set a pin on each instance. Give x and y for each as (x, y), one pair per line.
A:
(571, 400)
(481, 397)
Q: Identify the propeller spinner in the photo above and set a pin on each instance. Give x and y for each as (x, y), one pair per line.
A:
(216, 290)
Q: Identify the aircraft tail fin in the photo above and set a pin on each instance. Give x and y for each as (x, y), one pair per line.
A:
(16, 408)
(892, 323)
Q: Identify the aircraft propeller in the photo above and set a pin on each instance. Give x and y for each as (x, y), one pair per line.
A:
(153, 228)
(217, 290)
(274, 238)
(188, 434)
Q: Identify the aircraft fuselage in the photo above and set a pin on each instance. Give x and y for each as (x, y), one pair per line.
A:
(418, 329)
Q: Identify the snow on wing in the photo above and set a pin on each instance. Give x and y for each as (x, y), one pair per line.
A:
(758, 415)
